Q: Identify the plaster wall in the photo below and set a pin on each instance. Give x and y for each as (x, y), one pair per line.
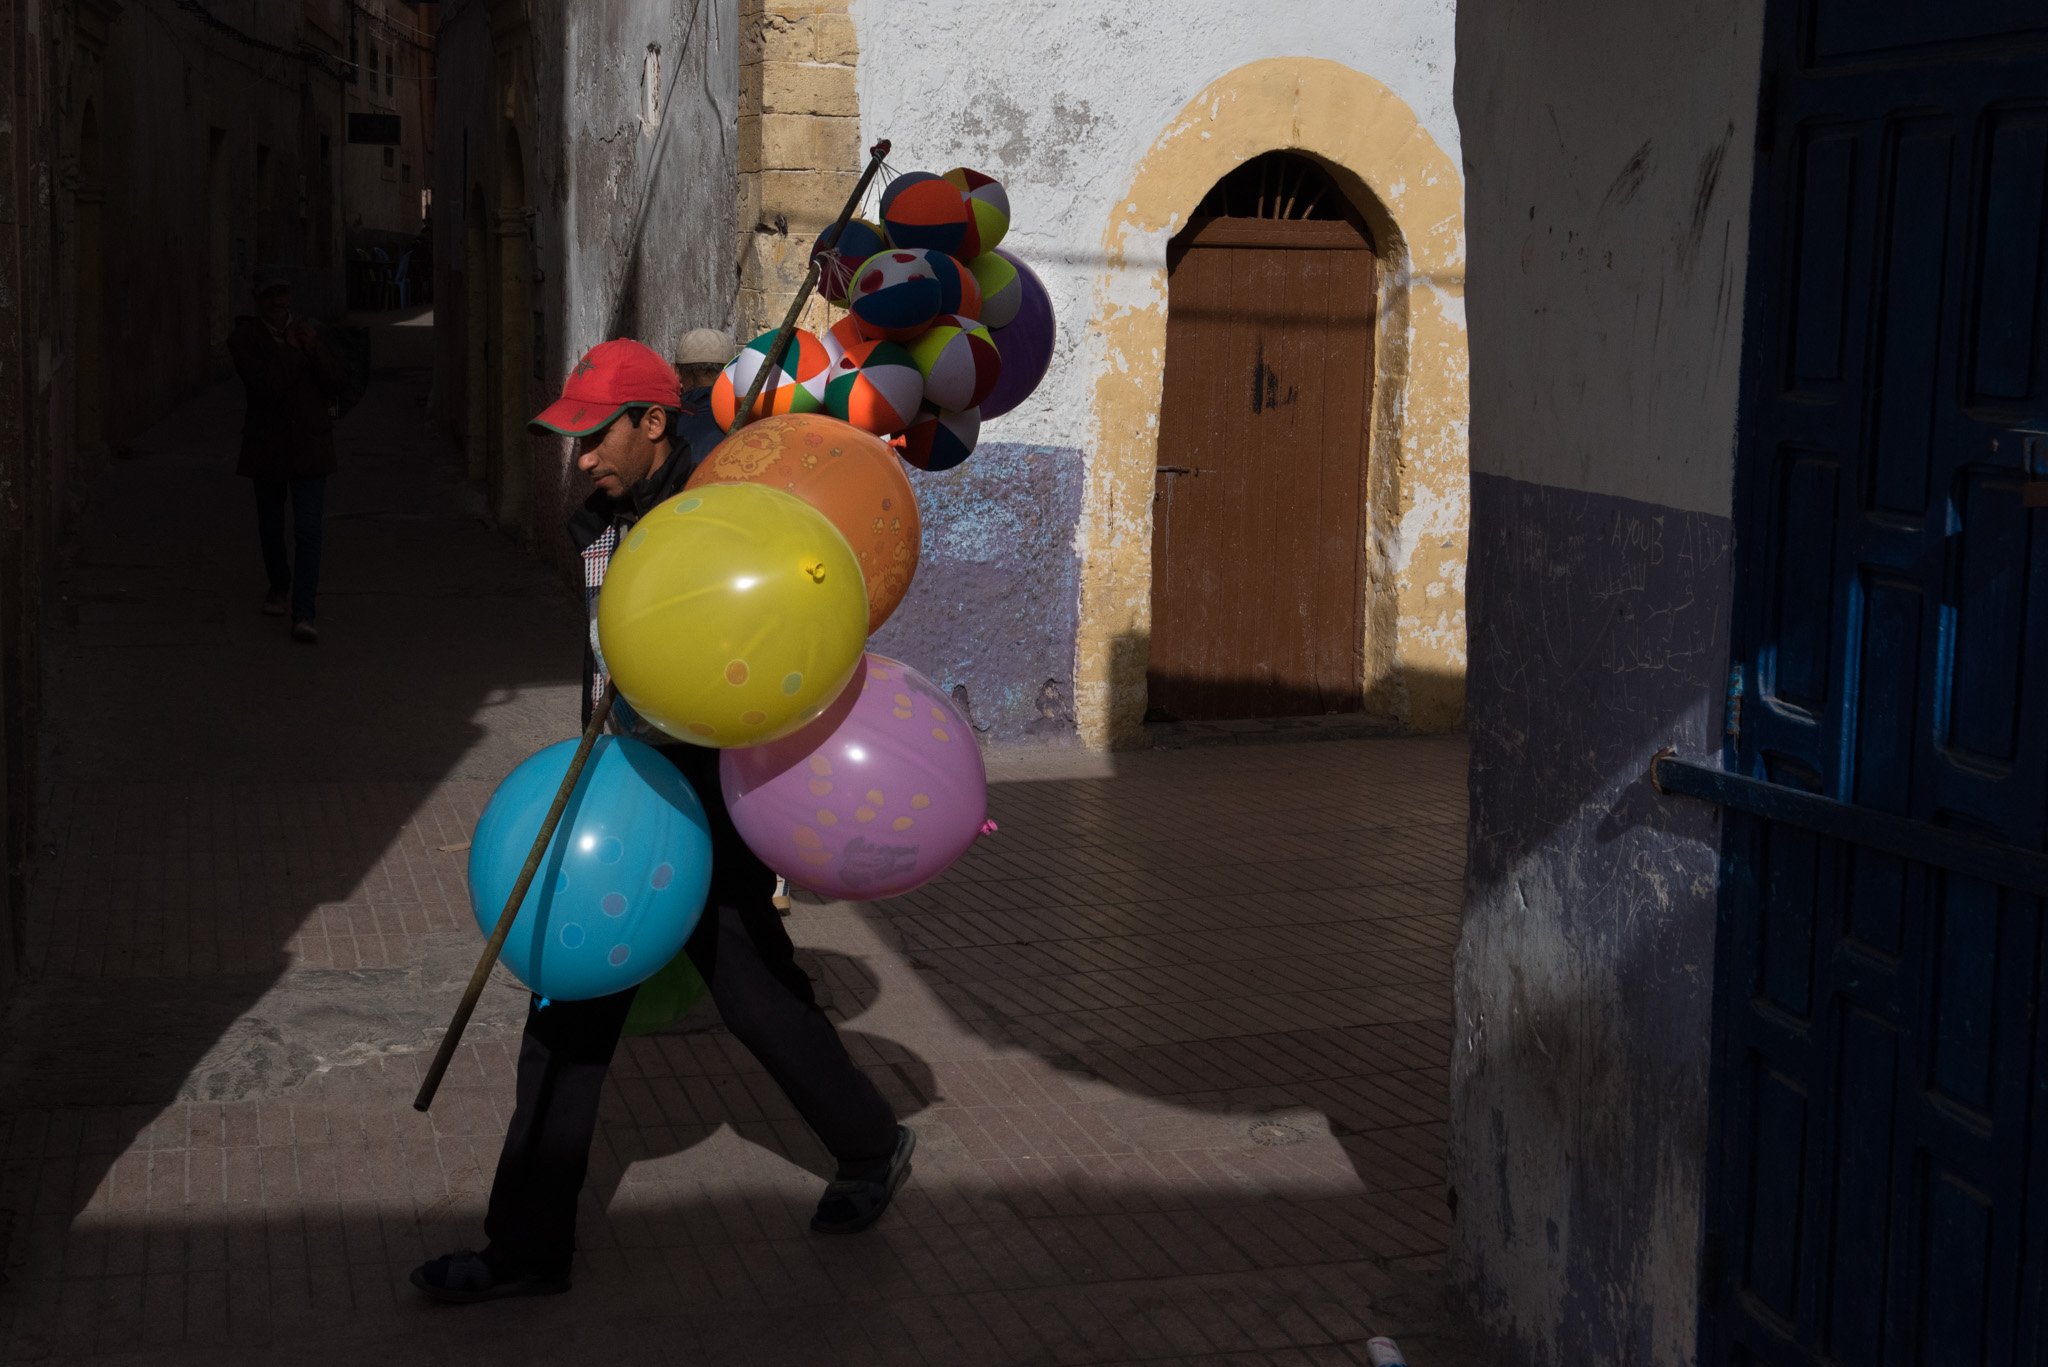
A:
(1107, 122)
(164, 84)
(633, 202)
(1608, 167)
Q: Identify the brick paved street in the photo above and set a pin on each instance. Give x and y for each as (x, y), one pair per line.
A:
(1175, 1040)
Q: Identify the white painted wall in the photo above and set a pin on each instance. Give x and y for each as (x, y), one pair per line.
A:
(1061, 101)
(1617, 155)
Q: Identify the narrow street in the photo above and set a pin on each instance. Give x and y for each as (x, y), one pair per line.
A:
(1175, 1040)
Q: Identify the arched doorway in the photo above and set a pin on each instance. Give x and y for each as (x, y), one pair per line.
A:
(1259, 497)
(513, 335)
(477, 272)
(88, 290)
(1409, 192)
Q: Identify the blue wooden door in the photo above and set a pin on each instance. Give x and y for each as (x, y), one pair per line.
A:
(1881, 1083)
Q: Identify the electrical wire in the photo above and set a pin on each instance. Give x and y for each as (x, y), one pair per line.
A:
(381, 72)
(402, 32)
(305, 54)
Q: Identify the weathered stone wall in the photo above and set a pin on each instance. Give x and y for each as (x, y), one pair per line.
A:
(598, 143)
(1107, 127)
(1608, 165)
(800, 148)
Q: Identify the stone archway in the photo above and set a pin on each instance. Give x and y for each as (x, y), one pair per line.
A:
(1412, 198)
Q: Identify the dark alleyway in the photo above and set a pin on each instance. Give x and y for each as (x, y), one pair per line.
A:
(1175, 1041)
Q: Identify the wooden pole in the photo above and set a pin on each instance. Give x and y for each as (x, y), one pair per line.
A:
(431, 1083)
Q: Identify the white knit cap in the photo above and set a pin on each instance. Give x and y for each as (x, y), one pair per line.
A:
(705, 346)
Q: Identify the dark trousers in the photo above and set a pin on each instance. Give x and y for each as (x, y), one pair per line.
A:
(765, 999)
(309, 507)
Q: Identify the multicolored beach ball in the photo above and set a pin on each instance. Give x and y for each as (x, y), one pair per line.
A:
(940, 441)
(845, 333)
(959, 291)
(988, 208)
(959, 362)
(797, 386)
(922, 210)
(895, 294)
(874, 386)
(839, 255)
(1002, 290)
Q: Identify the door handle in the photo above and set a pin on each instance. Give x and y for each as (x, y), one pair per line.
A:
(1183, 470)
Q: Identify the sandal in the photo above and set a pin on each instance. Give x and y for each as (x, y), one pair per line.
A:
(468, 1276)
(851, 1204)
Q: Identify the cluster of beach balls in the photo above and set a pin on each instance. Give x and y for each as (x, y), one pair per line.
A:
(944, 330)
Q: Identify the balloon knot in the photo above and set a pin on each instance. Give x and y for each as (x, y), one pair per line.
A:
(989, 827)
(542, 1004)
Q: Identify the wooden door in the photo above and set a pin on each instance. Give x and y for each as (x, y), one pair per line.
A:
(1881, 1102)
(1258, 526)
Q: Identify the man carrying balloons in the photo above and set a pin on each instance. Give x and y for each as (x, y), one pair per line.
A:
(620, 406)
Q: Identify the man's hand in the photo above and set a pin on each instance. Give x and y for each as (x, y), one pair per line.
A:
(301, 336)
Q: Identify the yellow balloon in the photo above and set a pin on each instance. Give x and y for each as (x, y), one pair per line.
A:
(732, 614)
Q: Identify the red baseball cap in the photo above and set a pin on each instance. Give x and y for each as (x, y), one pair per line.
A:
(612, 377)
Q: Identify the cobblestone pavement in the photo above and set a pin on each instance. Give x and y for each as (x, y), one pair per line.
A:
(1175, 1040)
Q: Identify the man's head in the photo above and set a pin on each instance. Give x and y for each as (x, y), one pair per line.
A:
(274, 299)
(619, 405)
(627, 449)
(701, 354)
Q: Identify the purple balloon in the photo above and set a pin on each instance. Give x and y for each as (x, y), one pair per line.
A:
(1025, 344)
(878, 796)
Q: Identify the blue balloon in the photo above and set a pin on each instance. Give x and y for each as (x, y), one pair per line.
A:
(624, 878)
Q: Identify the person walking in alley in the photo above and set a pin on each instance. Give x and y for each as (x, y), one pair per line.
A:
(293, 381)
(700, 355)
(620, 405)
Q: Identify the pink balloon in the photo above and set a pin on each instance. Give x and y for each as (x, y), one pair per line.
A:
(879, 795)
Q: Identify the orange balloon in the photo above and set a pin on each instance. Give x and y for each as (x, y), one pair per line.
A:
(853, 478)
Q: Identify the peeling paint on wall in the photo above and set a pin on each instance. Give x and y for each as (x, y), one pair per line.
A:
(1107, 127)
(1417, 466)
(992, 609)
(1608, 163)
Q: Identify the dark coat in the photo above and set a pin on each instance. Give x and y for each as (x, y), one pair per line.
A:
(288, 432)
(698, 431)
(598, 526)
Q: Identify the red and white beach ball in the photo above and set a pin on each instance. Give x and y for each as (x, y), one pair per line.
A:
(895, 294)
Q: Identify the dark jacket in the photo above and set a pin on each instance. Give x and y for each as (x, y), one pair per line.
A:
(288, 431)
(698, 431)
(594, 530)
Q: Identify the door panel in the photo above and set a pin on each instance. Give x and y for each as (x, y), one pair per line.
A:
(1874, 1198)
(1258, 509)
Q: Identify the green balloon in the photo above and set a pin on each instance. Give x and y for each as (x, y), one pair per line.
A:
(666, 997)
